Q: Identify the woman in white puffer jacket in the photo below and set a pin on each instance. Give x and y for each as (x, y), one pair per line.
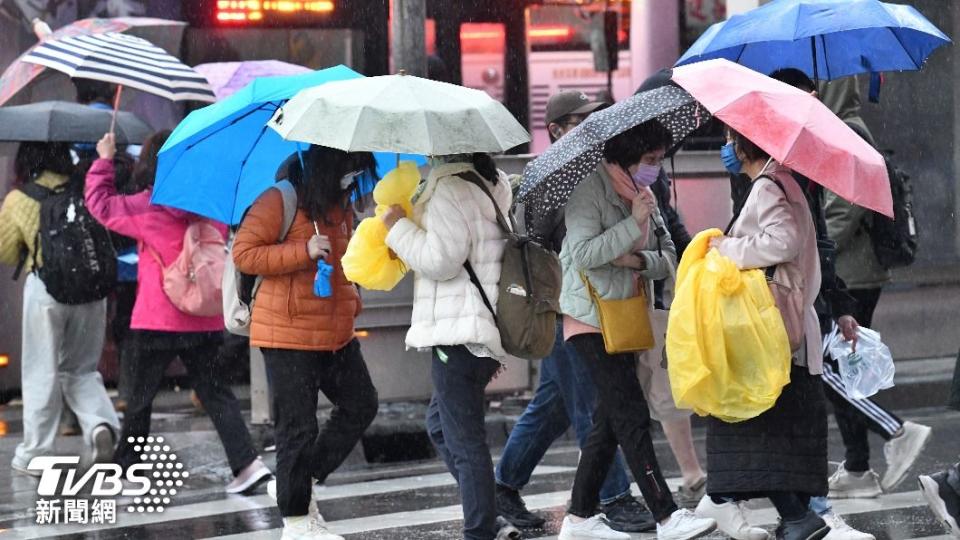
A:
(454, 223)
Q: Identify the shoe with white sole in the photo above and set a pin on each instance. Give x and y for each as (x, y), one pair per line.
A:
(841, 530)
(942, 493)
(249, 478)
(685, 525)
(102, 442)
(902, 452)
(312, 511)
(594, 528)
(304, 528)
(731, 519)
(849, 485)
(22, 469)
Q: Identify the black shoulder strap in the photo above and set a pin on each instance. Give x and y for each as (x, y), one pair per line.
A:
(483, 295)
(36, 192)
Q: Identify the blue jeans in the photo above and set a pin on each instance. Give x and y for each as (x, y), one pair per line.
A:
(456, 427)
(820, 505)
(566, 395)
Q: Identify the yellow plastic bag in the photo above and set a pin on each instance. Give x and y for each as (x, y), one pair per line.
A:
(727, 348)
(368, 261)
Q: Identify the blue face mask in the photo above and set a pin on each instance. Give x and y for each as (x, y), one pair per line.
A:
(730, 160)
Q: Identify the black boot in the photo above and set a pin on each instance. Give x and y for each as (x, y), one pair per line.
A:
(810, 527)
(511, 506)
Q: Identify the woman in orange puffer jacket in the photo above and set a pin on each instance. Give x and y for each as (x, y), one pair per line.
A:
(308, 342)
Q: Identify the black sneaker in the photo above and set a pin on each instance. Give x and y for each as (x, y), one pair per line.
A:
(511, 506)
(627, 514)
(811, 527)
(942, 492)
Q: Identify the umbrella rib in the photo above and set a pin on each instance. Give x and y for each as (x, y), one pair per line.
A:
(236, 189)
(232, 122)
(900, 41)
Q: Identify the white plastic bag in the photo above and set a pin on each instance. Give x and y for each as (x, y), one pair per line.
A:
(866, 371)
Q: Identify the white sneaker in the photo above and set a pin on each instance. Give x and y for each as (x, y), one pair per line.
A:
(303, 528)
(312, 511)
(847, 485)
(731, 519)
(840, 530)
(592, 528)
(102, 443)
(685, 525)
(901, 453)
(249, 478)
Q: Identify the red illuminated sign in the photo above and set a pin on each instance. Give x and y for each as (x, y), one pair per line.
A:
(243, 11)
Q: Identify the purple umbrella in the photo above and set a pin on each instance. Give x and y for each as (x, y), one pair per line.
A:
(228, 77)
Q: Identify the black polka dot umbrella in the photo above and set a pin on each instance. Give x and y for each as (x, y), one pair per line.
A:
(549, 180)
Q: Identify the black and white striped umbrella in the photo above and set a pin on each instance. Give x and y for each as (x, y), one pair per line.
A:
(125, 60)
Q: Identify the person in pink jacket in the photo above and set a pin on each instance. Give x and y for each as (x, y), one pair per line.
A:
(160, 331)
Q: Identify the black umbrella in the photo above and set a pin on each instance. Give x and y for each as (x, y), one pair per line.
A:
(63, 121)
(549, 180)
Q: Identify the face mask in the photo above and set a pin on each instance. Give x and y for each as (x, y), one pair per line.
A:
(730, 160)
(348, 179)
(646, 175)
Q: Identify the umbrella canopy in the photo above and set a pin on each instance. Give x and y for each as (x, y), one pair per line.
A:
(21, 79)
(793, 127)
(124, 60)
(226, 78)
(220, 158)
(399, 113)
(61, 121)
(827, 39)
(549, 180)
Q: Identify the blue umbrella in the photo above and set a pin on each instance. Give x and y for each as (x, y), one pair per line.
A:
(220, 158)
(826, 39)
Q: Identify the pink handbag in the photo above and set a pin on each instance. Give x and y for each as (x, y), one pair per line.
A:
(194, 282)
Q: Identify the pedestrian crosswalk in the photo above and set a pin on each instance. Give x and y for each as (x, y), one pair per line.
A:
(424, 505)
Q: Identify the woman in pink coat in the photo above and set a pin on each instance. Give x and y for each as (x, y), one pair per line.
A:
(160, 331)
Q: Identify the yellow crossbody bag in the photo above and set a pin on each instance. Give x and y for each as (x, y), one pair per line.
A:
(625, 324)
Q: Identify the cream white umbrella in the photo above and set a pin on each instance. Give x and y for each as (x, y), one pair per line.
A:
(399, 113)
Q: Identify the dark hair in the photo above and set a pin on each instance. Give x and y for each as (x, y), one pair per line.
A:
(751, 151)
(627, 148)
(123, 165)
(34, 158)
(486, 166)
(145, 170)
(90, 91)
(795, 78)
(319, 191)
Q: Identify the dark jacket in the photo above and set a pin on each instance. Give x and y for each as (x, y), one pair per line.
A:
(676, 228)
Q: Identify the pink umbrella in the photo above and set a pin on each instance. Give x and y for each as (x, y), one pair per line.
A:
(228, 77)
(43, 82)
(793, 127)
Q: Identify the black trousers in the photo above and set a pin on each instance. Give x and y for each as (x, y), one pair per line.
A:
(855, 422)
(304, 451)
(621, 419)
(147, 363)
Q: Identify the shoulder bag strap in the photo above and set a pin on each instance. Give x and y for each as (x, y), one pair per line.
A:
(289, 194)
(483, 295)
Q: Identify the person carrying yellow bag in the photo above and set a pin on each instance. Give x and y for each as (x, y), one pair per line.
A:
(368, 261)
(729, 356)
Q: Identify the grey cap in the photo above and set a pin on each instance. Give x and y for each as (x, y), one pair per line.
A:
(570, 102)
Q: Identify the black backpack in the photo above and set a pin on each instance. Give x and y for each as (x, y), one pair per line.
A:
(79, 262)
(895, 240)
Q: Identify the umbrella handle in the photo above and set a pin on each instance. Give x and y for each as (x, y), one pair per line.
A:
(116, 107)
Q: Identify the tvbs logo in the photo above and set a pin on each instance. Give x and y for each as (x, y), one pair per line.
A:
(151, 483)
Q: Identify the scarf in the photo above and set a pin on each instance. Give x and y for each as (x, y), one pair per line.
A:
(621, 182)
